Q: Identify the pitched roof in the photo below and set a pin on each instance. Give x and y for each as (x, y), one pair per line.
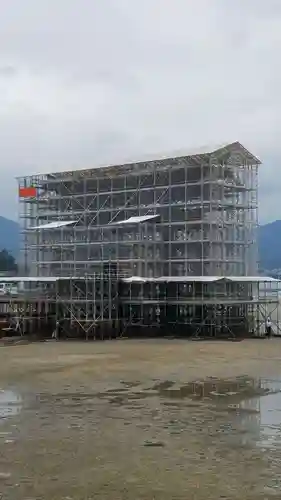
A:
(198, 153)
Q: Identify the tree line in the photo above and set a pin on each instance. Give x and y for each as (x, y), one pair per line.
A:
(7, 262)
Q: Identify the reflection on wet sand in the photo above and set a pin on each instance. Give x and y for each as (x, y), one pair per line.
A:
(252, 405)
(10, 404)
(266, 426)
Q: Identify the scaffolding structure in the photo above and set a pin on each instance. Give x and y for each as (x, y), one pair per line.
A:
(190, 307)
(66, 307)
(186, 216)
(28, 307)
(200, 306)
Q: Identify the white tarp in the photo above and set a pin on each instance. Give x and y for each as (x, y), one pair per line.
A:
(134, 279)
(200, 279)
(28, 279)
(55, 224)
(137, 219)
(250, 279)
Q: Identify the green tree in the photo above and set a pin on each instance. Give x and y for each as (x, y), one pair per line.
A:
(7, 261)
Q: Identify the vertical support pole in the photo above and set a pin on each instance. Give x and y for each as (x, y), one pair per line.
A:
(212, 262)
(170, 220)
(56, 297)
(202, 219)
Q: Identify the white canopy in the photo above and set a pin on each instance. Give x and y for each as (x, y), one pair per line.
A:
(137, 219)
(55, 224)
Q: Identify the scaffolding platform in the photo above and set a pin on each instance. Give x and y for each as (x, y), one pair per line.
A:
(88, 307)
(209, 307)
(80, 307)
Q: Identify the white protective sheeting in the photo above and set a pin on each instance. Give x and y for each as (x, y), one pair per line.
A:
(251, 279)
(171, 279)
(139, 279)
(137, 219)
(41, 279)
(200, 279)
(28, 279)
(190, 279)
(55, 224)
(135, 279)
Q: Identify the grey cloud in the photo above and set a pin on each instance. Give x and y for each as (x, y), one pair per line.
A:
(83, 83)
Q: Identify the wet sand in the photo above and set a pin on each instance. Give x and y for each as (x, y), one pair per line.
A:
(152, 419)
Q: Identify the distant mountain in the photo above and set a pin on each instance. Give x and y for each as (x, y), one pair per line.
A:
(9, 236)
(269, 239)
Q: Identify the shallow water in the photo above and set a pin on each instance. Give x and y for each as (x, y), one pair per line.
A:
(266, 426)
(10, 404)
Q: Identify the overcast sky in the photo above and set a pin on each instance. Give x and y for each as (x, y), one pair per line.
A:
(90, 81)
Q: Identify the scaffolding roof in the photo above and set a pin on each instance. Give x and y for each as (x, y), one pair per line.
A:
(41, 279)
(199, 153)
(139, 279)
(201, 279)
(45, 279)
(19, 279)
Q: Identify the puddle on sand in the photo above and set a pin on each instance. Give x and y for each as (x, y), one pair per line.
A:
(253, 406)
(172, 393)
(10, 404)
(250, 408)
(210, 389)
(218, 392)
(265, 425)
